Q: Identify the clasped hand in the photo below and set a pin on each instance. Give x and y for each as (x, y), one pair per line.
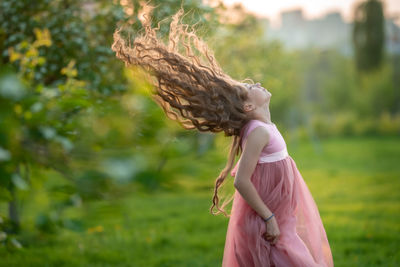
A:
(272, 231)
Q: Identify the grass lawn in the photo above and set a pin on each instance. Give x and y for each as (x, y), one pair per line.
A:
(355, 183)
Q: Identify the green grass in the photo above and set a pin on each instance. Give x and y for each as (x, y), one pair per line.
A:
(355, 183)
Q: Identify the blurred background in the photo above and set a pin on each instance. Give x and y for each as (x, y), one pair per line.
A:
(93, 174)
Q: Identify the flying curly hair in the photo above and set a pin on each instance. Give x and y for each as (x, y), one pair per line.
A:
(191, 89)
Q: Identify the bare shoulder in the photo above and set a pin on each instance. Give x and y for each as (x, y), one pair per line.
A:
(255, 142)
(258, 138)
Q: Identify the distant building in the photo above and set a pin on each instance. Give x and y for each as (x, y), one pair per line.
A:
(328, 32)
(392, 31)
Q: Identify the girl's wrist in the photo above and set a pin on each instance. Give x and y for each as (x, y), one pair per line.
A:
(268, 218)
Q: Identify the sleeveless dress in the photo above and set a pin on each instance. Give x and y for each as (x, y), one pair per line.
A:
(303, 241)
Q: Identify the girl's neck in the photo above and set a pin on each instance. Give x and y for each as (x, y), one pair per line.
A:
(264, 116)
(268, 121)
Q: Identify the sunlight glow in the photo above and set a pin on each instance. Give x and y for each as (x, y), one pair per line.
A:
(311, 8)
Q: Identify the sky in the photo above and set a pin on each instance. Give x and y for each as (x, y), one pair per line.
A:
(311, 8)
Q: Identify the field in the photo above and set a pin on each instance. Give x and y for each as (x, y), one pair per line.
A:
(355, 183)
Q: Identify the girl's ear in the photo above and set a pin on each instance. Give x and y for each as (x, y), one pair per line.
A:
(247, 107)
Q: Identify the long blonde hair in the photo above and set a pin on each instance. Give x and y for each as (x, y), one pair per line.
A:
(191, 89)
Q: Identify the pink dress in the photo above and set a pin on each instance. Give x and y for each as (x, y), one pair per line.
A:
(303, 241)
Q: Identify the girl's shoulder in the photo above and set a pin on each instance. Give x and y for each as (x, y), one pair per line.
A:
(253, 124)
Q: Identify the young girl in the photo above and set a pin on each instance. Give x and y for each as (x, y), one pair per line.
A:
(274, 220)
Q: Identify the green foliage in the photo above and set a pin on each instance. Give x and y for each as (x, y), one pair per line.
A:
(64, 105)
(336, 100)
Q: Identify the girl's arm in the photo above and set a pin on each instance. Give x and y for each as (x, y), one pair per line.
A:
(256, 140)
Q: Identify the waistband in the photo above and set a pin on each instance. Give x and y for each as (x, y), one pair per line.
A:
(279, 155)
(267, 158)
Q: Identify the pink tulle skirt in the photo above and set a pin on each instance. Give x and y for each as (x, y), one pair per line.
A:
(303, 241)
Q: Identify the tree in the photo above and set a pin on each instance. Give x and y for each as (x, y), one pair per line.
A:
(64, 100)
(368, 35)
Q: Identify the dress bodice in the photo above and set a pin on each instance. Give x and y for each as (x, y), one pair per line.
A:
(275, 150)
(276, 142)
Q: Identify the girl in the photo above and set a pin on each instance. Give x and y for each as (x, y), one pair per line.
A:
(274, 220)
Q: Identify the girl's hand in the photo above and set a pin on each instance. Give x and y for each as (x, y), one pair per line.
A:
(272, 233)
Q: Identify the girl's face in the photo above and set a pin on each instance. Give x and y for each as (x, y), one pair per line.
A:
(258, 95)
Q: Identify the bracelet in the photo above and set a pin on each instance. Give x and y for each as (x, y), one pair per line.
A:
(269, 217)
